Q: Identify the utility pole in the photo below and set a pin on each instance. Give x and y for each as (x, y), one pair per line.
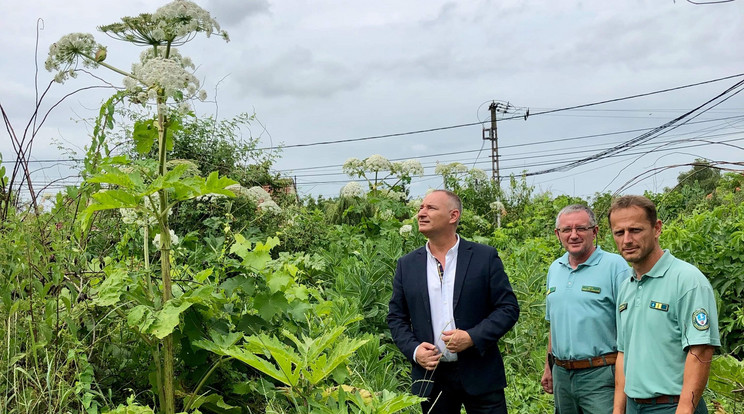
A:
(491, 133)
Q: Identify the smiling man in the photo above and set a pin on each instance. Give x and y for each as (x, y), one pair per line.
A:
(583, 286)
(667, 320)
(451, 304)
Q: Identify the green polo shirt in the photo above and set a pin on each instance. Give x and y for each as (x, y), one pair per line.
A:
(658, 317)
(581, 305)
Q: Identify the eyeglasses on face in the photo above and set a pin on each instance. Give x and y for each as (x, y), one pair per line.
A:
(568, 230)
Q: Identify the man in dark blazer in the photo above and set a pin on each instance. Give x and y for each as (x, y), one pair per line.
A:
(451, 303)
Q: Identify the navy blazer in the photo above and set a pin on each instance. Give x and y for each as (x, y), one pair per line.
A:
(484, 305)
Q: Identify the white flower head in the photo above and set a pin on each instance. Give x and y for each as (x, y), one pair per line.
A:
(269, 207)
(377, 163)
(386, 214)
(181, 18)
(405, 230)
(257, 194)
(64, 54)
(352, 166)
(166, 75)
(497, 205)
(174, 239)
(415, 203)
(352, 189)
(478, 174)
(393, 195)
(409, 168)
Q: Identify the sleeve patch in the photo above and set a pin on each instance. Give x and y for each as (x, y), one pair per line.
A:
(592, 289)
(700, 320)
(664, 307)
(622, 306)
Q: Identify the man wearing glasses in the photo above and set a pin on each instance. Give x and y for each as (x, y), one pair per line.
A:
(582, 289)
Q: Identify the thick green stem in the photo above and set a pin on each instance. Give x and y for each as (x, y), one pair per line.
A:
(165, 245)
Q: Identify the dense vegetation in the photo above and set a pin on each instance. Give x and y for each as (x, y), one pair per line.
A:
(159, 284)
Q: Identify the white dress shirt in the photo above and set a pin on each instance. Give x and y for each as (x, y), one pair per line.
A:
(441, 295)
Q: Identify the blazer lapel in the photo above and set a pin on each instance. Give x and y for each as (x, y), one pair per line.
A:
(421, 280)
(464, 254)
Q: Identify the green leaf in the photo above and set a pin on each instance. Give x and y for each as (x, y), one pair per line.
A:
(216, 185)
(213, 403)
(110, 291)
(269, 305)
(115, 177)
(145, 134)
(203, 275)
(168, 318)
(278, 281)
(242, 282)
(109, 199)
(140, 318)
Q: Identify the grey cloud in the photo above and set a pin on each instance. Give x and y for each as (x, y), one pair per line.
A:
(231, 12)
(298, 73)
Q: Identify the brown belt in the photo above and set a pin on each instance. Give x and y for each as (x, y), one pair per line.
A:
(595, 362)
(662, 399)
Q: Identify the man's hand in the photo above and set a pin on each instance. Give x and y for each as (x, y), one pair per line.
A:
(457, 340)
(547, 380)
(427, 355)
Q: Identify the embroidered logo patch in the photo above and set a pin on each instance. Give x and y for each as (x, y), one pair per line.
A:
(551, 290)
(592, 289)
(622, 306)
(659, 306)
(700, 320)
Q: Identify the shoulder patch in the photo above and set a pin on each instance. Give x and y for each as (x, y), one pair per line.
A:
(700, 320)
(551, 290)
(592, 289)
(664, 307)
(622, 306)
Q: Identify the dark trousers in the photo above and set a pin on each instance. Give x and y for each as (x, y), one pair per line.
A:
(448, 395)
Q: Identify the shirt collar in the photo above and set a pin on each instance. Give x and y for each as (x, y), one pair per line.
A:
(661, 266)
(591, 261)
(453, 248)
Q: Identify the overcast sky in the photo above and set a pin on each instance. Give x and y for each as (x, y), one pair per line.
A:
(316, 71)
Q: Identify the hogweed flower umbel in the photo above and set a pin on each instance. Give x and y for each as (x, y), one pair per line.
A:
(352, 189)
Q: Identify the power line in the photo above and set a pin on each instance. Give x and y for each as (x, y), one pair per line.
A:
(428, 130)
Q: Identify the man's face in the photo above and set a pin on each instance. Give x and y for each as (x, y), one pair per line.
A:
(635, 236)
(576, 234)
(436, 214)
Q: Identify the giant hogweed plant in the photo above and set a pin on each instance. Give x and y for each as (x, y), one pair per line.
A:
(162, 80)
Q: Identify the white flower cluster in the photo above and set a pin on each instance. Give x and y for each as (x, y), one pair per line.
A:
(64, 54)
(174, 239)
(497, 205)
(478, 174)
(405, 230)
(144, 216)
(377, 163)
(352, 189)
(451, 168)
(415, 203)
(269, 207)
(408, 168)
(386, 214)
(180, 18)
(352, 166)
(257, 194)
(393, 195)
(160, 74)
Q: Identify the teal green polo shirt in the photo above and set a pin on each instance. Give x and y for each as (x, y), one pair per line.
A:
(658, 317)
(581, 305)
